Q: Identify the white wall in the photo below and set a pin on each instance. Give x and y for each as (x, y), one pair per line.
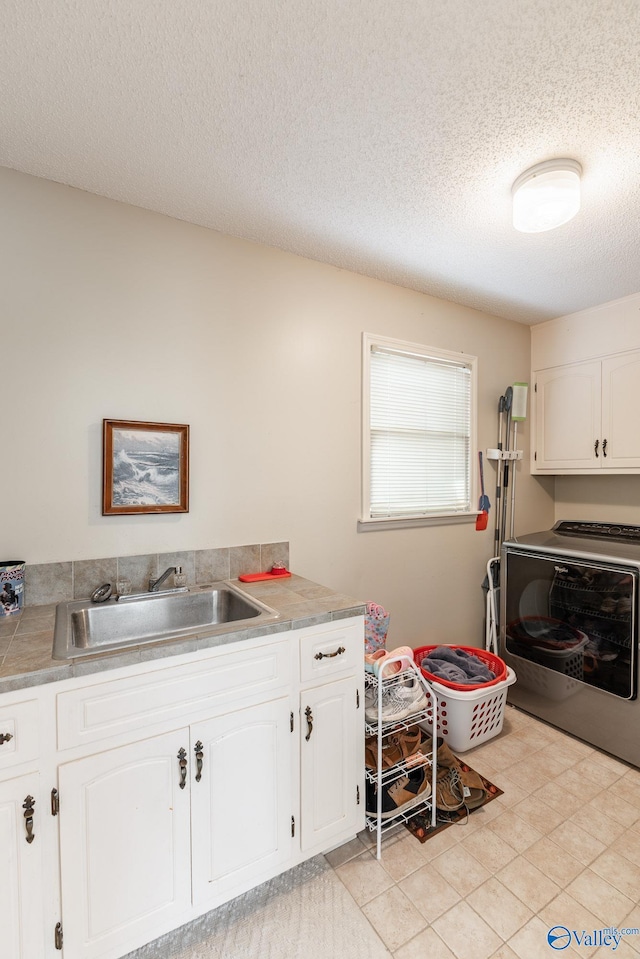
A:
(112, 311)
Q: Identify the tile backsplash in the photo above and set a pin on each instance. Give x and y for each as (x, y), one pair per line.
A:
(58, 582)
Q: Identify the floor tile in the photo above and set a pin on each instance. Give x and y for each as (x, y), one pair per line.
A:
(616, 808)
(619, 872)
(461, 870)
(503, 911)
(597, 824)
(394, 918)
(364, 877)
(531, 941)
(430, 892)
(595, 893)
(528, 883)
(403, 858)
(426, 943)
(542, 817)
(515, 831)
(566, 911)
(461, 926)
(597, 772)
(489, 849)
(553, 861)
(349, 850)
(577, 842)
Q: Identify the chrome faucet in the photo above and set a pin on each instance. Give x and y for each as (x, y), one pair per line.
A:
(155, 584)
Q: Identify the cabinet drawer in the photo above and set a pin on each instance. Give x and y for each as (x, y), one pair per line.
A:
(331, 649)
(19, 722)
(93, 713)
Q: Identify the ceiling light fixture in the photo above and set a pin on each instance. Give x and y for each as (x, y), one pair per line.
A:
(546, 195)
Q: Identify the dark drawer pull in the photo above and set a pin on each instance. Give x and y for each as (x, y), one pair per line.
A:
(5, 738)
(339, 651)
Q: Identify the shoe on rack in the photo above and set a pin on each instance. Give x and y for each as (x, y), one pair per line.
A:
(401, 746)
(398, 701)
(379, 663)
(401, 795)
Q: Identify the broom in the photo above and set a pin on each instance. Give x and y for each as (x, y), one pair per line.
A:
(484, 505)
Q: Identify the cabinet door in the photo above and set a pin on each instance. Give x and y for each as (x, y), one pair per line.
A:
(124, 847)
(567, 405)
(332, 763)
(242, 805)
(620, 410)
(21, 914)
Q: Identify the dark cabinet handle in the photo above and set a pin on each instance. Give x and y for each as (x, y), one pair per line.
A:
(28, 805)
(182, 760)
(595, 448)
(604, 448)
(339, 651)
(199, 757)
(5, 738)
(309, 716)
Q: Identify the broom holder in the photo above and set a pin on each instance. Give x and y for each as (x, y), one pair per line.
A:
(504, 454)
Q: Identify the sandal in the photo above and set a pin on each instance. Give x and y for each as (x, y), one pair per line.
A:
(377, 663)
(396, 748)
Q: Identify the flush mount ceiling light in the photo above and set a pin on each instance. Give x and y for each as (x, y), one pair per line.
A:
(546, 196)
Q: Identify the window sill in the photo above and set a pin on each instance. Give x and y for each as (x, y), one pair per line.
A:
(406, 522)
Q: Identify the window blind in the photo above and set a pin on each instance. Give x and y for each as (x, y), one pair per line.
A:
(420, 422)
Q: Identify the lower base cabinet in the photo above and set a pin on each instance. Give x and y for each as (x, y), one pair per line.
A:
(241, 788)
(21, 917)
(329, 753)
(166, 805)
(124, 844)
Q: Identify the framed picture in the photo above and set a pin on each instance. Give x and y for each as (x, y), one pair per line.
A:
(145, 467)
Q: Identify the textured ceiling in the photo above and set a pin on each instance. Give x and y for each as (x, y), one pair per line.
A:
(380, 137)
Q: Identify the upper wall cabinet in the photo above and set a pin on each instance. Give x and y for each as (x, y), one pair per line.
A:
(585, 416)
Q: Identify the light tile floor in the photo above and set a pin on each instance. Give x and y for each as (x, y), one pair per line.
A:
(560, 847)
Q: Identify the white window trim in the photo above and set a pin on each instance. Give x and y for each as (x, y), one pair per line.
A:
(368, 524)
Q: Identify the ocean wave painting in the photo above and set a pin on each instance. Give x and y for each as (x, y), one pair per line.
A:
(146, 468)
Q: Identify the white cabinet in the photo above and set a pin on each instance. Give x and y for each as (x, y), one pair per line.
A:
(125, 846)
(331, 745)
(22, 833)
(242, 807)
(182, 786)
(585, 416)
(21, 914)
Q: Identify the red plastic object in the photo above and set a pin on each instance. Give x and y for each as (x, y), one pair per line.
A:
(492, 662)
(257, 577)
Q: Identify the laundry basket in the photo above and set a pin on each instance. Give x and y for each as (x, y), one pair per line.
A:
(467, 719)
(493, 663)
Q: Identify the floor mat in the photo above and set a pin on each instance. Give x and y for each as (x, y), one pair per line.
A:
(420, 826)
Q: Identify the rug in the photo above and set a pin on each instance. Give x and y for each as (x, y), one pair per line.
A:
(420, 825)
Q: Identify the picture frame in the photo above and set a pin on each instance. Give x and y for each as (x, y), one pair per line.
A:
(145, 467)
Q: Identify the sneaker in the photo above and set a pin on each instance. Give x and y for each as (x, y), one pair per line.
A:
(407, 698)
(398, 701)
(400, 795)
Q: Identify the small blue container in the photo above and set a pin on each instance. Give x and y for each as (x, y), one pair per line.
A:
(11, 586)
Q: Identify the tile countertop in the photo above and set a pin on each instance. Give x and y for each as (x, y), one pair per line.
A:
(26, 638)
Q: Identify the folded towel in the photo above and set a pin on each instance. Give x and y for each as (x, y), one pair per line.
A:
(457, 666)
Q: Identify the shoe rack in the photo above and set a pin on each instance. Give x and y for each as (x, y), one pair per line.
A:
(381, 723)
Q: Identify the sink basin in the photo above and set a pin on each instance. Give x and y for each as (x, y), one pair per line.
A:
(84, 628)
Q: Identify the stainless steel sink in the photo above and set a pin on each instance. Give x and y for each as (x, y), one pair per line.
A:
(84, 628)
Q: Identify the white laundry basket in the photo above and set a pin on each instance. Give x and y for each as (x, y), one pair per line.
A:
(467, 719)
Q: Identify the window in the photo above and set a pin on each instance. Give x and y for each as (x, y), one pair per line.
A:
(418, 434)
